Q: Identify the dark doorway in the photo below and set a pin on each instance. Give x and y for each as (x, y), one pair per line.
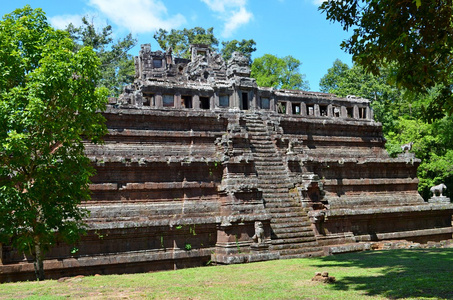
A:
(245, 101)
(186, 101)
(204, 102)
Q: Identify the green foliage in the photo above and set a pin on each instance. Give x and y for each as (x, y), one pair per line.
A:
(246, 47)
(187, 247)
(117, 65)
(410, 38)
(48, 102)
(329, 83)
(433, 144)
(180, 40)
(281, 73)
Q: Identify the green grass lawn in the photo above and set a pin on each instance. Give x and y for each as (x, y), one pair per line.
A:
(392, 274)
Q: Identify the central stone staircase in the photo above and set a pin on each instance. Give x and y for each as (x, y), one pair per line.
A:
(291, 232)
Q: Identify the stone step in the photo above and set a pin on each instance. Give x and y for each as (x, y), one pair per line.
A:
(267, 158)
(295, 240)
(261, 140)
(278, 199)
(273, 194)
(286, 209)
(277, 226)
(276, 203)
(269, 179)
(263, 145)
(289, 235)
(269, 165)
(280, 247)
(280, 232)
(268, 151)
(260, 137)
(271, 203)
(302, 248)
(263, 148)
(275, 190)
(281, 220)
(300, 221)
(292, 214)
(255, 122)
(306, 252)
(266, 184)
(255, 127)
(274, 171)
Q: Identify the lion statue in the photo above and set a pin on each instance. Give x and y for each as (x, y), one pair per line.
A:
(438, 189)
(259, 233)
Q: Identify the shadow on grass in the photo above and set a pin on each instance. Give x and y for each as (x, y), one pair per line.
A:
(395, 274)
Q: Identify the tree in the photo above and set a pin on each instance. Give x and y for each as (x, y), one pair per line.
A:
(49, 106)
(180, 40)
(330, 82)
(413, 39)
(246, 47)
(281, 73)
(117, 65)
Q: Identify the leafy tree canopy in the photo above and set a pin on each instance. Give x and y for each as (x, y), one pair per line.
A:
(117, 65)
(246, 47)
(329, 83)
(411, 39)
(281, 73)
(48, 102)
(180, 40)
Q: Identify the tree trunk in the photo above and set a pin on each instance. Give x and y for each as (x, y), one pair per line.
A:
(39, 263)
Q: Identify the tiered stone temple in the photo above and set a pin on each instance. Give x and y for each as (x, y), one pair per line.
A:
(197, 154)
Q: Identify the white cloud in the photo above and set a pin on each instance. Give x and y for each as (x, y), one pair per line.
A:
(138, 16)
(219, 5)
(60, 22)
(317, 2)
(232, 12)
(239, 18)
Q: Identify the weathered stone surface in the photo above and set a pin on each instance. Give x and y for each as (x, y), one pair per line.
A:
(196, 155)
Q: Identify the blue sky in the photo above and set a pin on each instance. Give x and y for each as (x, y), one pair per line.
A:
(279, 27)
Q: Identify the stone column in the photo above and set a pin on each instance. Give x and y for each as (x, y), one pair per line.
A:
(216, 97)
(289, 108)
(303, 109)
(316, 112)
(158, 98)
(196, 101)
(253, 104)
(329, 111)
(369, 113)
(343, 112)
(212, 101)
(355, 112)
(272, 103)
(177, 100)
(237, 99)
